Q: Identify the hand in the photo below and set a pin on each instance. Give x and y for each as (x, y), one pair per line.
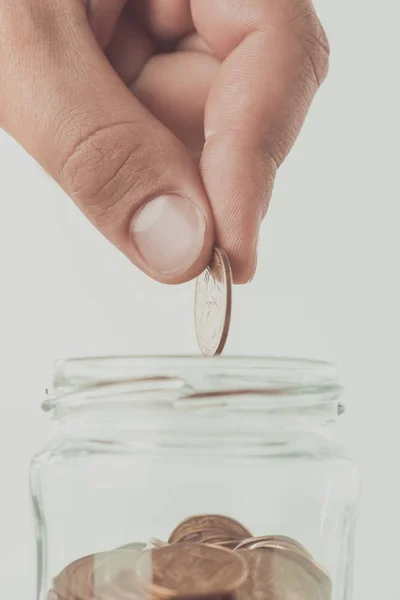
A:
(164, 120)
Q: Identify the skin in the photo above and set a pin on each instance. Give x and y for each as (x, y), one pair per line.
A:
(124, 100)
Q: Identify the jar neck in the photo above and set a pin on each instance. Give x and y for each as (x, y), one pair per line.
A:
(192, 396)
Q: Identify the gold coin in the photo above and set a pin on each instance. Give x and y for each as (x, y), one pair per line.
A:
(209, 529)
(213, 304)
(191, 570)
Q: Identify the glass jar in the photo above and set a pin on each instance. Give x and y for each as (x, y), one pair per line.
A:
(188, 477)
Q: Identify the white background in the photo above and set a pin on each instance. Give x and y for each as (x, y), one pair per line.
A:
(327, 287)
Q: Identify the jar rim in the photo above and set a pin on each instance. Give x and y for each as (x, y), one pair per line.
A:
(189, 380)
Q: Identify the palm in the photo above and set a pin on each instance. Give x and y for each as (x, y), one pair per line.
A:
(157, 53)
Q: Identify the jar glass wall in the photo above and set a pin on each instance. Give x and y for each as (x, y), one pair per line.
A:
(191, 477)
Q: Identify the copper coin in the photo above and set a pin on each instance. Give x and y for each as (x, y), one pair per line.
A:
(274, 575)
(76, 580)
(213, 304)
(101, 576)
(191, 570)
(200, 528)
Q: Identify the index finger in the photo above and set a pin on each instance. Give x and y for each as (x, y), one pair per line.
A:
(275, 56)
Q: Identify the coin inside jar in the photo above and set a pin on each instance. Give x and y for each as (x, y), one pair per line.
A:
(209, 529)
(273, 575)
(207, 557)
(292, 549)
(270, 541)
(191, 570)
(213, 304)
(76, 580)
(100, 577)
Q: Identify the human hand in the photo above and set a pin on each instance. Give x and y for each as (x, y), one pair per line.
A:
(164, 120)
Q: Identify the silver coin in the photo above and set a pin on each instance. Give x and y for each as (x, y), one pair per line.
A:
(155, 543)
(270, 541)
(277, 575)
(135, 546)
(213, 304)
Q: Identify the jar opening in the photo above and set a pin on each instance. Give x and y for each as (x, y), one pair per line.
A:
(192, 383)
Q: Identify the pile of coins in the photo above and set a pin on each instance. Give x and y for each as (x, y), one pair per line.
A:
(207, 557)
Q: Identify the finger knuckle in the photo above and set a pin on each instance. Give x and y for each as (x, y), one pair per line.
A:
(107, 172)
(24, 23)
(314, 42)
(317, 51)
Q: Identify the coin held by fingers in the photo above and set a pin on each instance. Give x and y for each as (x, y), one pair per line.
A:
(213, 304)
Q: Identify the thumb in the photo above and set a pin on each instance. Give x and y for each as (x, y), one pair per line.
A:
(128, 173)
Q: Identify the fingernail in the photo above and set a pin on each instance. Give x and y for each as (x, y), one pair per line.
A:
(169, 233)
